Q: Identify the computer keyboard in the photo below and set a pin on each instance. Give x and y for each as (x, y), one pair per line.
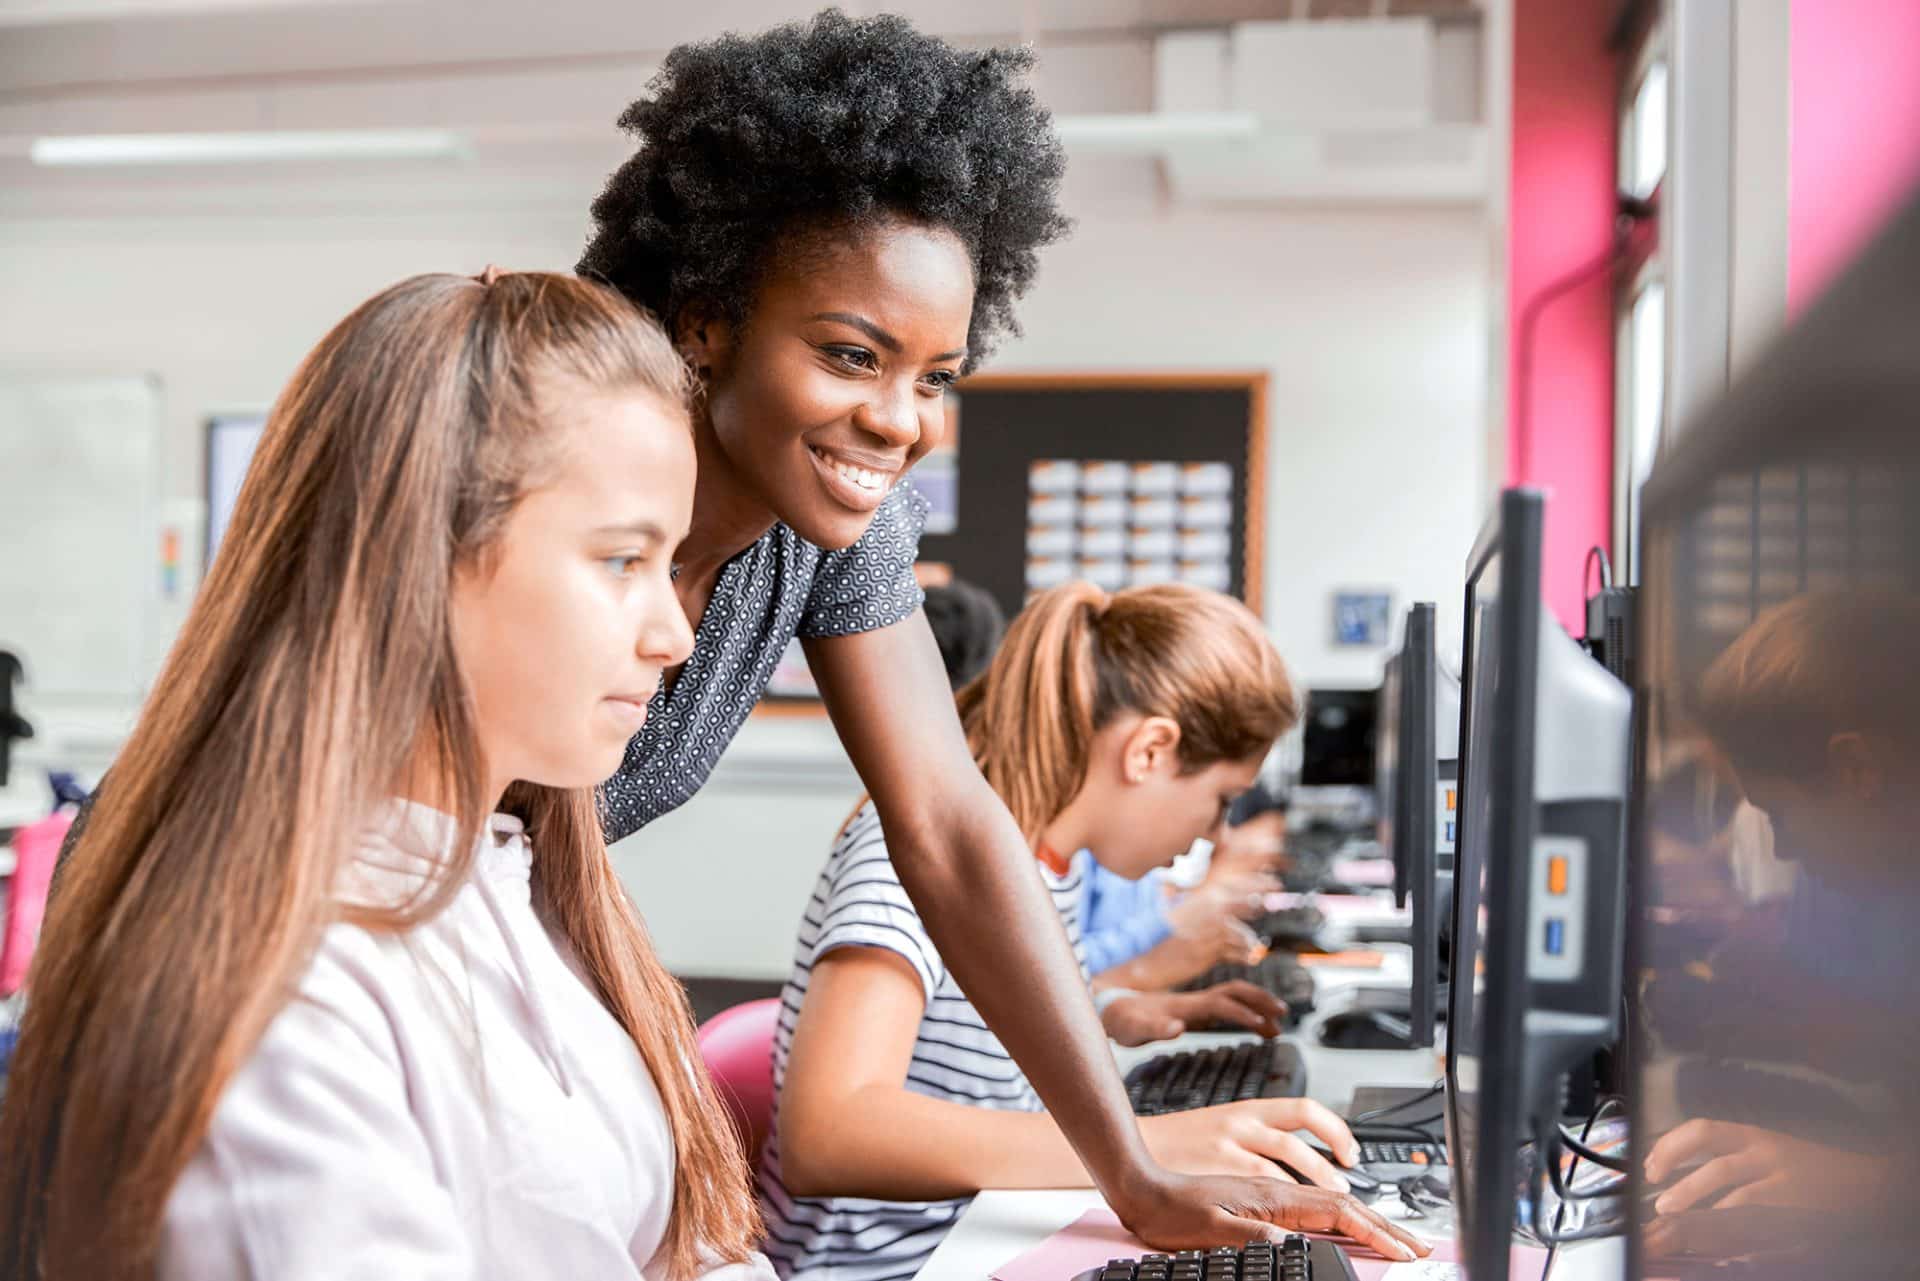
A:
(1192, 1079)
(1276, 972)
(1289, 925)
(1296, 1258)
(1390, 1153)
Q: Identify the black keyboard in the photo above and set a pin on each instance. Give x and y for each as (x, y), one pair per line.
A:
(1289, 925)
(1374, 1152)
(1297, 1258)
(1276, 972)
(1229, 1074)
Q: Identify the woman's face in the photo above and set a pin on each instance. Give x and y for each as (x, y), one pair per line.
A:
(834, 386)
(563, 629)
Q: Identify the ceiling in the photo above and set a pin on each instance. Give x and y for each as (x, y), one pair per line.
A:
(533, 86)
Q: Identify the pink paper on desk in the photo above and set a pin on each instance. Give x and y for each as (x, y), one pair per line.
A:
(1363, 871)
(1097, 1236)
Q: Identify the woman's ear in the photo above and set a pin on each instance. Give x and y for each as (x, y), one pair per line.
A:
(703, 338)
(1152, 748)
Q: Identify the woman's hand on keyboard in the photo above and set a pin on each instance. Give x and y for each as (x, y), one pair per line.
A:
(1157, 1016)
(1195, 1212)
(1249, 1137)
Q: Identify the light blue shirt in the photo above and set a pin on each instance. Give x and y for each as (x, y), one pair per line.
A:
(1119, 918)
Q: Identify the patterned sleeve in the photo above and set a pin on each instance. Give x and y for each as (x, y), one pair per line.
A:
(866, 906)
(870, 585)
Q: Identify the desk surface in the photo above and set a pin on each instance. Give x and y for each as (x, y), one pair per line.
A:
(998, 1226)
(1002, 1224)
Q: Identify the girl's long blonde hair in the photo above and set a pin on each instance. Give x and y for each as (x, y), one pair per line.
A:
(316, 667)
(1076, 657)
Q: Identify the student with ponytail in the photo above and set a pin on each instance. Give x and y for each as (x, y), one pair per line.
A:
(1115, 728)
(341, 981)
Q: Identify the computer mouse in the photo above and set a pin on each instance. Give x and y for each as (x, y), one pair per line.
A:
(1365, 1030)
(1363, 1185)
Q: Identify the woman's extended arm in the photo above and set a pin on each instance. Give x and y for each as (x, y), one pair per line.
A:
(972, 877)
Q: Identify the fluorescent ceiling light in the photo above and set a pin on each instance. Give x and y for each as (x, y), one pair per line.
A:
(248, 148)
(1153, 130)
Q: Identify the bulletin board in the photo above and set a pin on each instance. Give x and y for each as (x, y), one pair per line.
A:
(1118, 478)
(79, 482)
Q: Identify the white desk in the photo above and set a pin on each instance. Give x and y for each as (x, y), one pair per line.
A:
(1002, 1224)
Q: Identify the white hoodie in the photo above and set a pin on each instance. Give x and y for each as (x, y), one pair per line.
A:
(454, 1102)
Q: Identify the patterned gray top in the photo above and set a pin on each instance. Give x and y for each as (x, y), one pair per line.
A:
(779, 588)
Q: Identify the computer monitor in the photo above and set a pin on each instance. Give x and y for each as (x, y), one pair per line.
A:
(1337, 740)
(1415, 803)
(1545, 739)
(1388, 793)
(1775, 887)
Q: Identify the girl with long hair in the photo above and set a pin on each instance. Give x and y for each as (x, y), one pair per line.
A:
(1115, 728)
(340, 980)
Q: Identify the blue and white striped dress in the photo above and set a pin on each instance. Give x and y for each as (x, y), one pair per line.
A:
(859, 902)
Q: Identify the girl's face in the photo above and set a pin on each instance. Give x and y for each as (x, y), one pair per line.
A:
(1148, 810)
(563, 629)
(834, 387)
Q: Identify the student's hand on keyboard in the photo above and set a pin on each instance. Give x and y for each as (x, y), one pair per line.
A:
(1249, 1137)
(1199, 1212)
(1211, 924)
(1159, 1016)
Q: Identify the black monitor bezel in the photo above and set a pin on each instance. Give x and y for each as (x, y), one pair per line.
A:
(1418, 776)
(1514, 533)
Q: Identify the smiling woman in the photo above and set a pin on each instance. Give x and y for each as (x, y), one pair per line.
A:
(833, 220)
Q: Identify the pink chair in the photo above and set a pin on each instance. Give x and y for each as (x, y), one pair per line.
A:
(36, 849)
(737, 1044)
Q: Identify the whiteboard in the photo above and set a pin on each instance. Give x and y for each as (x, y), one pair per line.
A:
(79, 540)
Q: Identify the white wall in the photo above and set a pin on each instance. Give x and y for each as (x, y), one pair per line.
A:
(1372, 324)
(1372, 327)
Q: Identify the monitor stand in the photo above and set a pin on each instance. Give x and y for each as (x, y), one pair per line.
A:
(1377, 1018)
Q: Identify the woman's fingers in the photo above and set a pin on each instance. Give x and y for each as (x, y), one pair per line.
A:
(1318, 1210)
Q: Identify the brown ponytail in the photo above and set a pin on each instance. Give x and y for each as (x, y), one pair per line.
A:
(1077, 657)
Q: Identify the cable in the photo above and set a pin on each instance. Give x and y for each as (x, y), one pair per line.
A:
(1549, 1153)
(1579, 1148)
(1629, 212)
(1401, 1106)
(1606, 568)
(1412, 1134)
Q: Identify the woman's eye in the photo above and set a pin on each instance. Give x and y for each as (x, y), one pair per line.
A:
(940, 381)
(852, 357)
(621, 566)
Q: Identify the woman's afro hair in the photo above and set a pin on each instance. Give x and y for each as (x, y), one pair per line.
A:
(819, 125)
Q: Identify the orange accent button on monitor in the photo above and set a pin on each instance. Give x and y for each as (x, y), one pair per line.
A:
(1557, 874)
